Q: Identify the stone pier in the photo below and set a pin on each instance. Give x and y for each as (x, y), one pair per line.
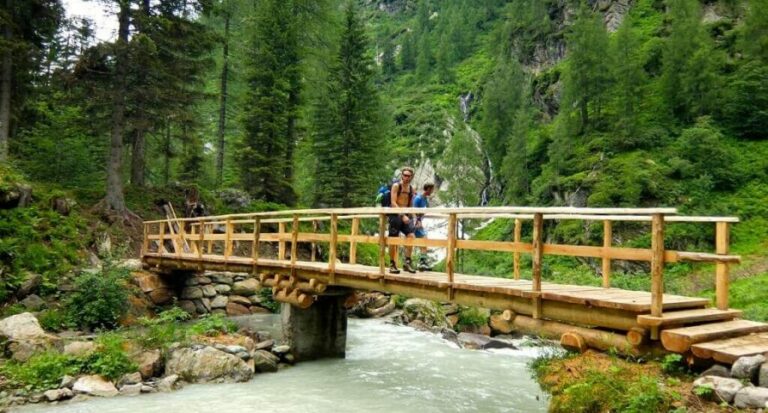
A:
(320, 331)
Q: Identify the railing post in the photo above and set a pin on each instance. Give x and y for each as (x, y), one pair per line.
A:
(382, 242)
(353, 241)
(657, 269)
(281, 241)
(161, 248)
(210, 242)
(200, 238)
(537, 254)
(313, 249)
(722, 240)
(228, 239)
(516, 255)
(607, 239)
(294, 240)
(450, 252)
(255, 250)
(332, 247)
(145, 240)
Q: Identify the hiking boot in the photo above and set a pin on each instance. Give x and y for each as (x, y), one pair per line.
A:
(424, 266)
(393, 268)
(408, 267)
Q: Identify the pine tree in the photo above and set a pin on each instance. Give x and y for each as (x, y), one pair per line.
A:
(408, 52)
(269, 104)
(348, 143)
(462, 167)
(587, 71)
(630, 80)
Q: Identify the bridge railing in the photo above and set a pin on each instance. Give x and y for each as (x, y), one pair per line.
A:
(215, 238)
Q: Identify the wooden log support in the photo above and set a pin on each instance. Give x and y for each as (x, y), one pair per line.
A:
(607, 240)
(228, 241)
(573, 341)
(145, 240)
(313, 286)
(516, 255)
(657, 269)
(508, 315)
(256, 243)
(332, 247)
(293, 297)
(593, 338)
(281, 241)
(450, 252)
(353, 242)
(294, 240)
(538, 229)
(722, 273)
(382, 243)
(637, 336)
(210, 241)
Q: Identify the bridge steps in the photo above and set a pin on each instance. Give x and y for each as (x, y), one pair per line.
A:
(686, 317)
(730, 349)
(680, 340)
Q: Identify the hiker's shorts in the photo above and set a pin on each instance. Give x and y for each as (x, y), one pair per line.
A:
(397, 226)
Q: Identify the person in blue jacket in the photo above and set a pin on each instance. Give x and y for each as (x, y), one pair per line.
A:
(422, 201)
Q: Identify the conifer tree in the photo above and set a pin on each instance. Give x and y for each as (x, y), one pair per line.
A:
(269, 104)
(630, 79)
(348, 143)
(408, 52)
(587, 72)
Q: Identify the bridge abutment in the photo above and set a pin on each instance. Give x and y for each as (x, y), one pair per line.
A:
(319, 331)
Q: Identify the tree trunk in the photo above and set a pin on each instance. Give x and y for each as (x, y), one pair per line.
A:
(115, 198)
(5, 90)
(137, 161)
(223, 104)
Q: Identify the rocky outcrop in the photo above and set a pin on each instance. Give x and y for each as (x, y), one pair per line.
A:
(724, 388)
(24, 336)
(737, 385)
(205, 364)
(429, 312)
(95, 385)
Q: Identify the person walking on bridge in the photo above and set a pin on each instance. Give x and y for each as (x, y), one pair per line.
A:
(422, 201)
(401, 196)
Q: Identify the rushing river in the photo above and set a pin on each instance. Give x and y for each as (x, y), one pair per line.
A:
(388, 369)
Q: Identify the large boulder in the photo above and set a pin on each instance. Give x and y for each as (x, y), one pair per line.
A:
(482, 342)
(150, 363)
(33, 302)
(237, 309)
(29, 285)
(747, 367)
(751, 397)
(95, 385)
(265, 362)
(430, 312)
(79, 348)
(22, 326)
(207, 364)
(247, 287)
(762, 380)
(725, 388)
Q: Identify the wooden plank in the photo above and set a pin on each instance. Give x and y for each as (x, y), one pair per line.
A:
(680, 340)
(313, 246)
(688, 317)
(657, 267)
(161, 238)
(538, 229)
(607, 239)
(722, 240)
(145, 240)
(256, 243)
(228, 240)
(516, 255)
(500, 246)
(353, 242)
(731, 349)
(294, 239)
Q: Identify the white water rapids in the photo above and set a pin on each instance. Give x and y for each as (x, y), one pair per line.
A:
(388, 368)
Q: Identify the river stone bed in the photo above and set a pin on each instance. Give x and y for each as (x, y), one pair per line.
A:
(222, 293)
(745, 384)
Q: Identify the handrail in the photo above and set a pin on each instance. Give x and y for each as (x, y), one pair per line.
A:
(234, 234)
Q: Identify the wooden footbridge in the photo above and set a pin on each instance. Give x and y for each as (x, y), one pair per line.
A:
(603, 317)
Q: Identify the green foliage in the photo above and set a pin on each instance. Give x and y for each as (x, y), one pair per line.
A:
(42, 371)
(109, 359)
(399, 300)
(673, 364)
(471, 317)
(462, 167)
(53, 320)
(99, 299)
(268, 301)
(163, 330)
(212, 325)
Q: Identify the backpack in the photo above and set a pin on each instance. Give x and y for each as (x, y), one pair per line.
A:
(386, 198)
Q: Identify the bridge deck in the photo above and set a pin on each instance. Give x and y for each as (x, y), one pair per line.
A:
(588, 296)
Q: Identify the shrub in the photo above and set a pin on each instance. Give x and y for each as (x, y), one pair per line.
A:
(52, 320)
(267, 301)
(99, 299)
(472, 316)
(42, 371)
(212, 325)
(163, 330)
(109, 359)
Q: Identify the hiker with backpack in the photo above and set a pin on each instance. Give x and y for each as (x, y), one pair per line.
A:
(422, 201)
(400, 195)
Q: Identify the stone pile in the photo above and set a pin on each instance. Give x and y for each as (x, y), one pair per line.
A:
(745, 384)
(206, 293)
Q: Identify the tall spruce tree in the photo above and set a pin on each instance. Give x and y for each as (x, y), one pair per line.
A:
(270, 104)
(587, 72)
(630, 79)
(348, 143)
